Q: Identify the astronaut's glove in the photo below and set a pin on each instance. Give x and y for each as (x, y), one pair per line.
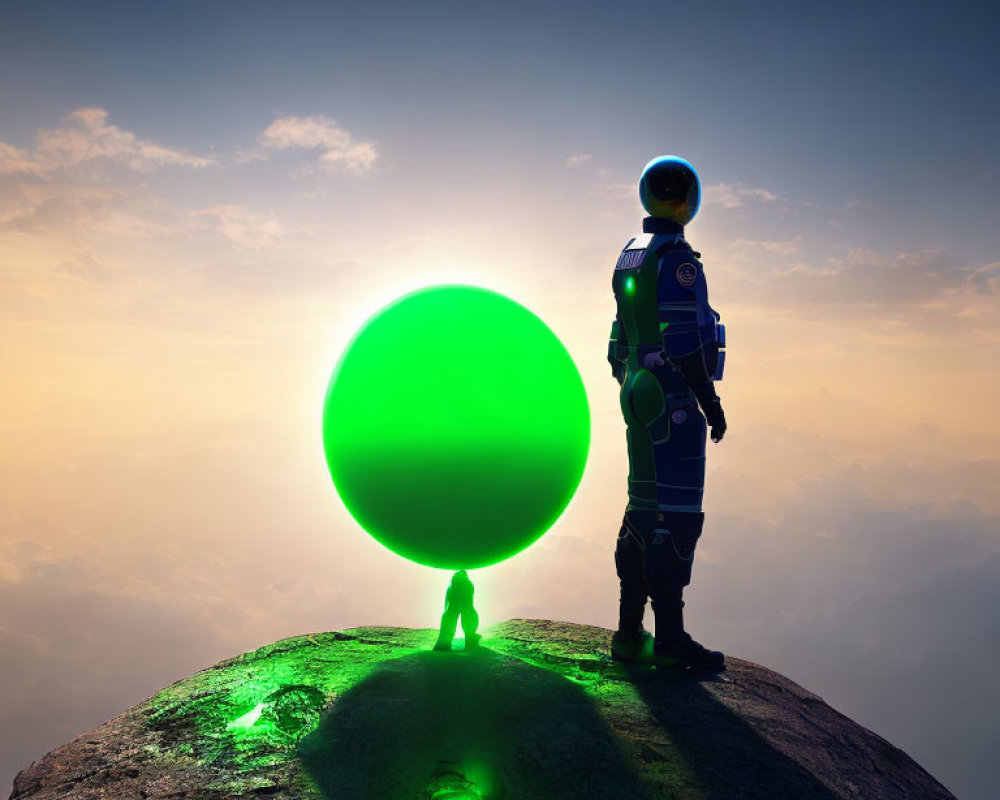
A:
(652, 360)
(714, 415)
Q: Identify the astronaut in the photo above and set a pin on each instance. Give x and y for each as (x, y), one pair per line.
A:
(458, 603)
(666, 350)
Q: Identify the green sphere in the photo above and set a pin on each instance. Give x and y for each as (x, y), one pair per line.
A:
(456, 427)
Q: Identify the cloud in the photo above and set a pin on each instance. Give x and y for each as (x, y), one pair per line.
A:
(797, 276)
(865, 275)
(576, 159)
(732, 195)
(250, 229)
(784, 248)
(53, 205)
(340, 150)
(15, 161)
(615, 190)
(985, 279)
(83, 136)
(85, 267)
(84, 184)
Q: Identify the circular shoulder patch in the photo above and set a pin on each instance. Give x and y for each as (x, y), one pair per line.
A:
(687, 273)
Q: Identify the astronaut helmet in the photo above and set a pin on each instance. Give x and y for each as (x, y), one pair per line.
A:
(669, 189)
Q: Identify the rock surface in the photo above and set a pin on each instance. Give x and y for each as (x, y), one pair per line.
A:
(539, 712)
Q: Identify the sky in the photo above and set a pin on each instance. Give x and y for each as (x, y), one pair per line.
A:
(201, 203)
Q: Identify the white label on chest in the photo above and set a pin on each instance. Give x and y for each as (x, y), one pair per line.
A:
(630, 259)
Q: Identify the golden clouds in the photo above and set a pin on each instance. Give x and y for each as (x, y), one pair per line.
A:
(338, 148)
(84, 135)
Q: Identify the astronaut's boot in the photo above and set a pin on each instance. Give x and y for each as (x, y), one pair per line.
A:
(449, 622)
(683, 651)
(631, 647)
(470, 622)
(631, 642)
(668, 561)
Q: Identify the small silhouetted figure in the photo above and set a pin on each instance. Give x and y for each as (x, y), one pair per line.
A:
(458, 602)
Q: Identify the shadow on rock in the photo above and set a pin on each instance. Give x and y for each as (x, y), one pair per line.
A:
(725, 756)
(465, 727)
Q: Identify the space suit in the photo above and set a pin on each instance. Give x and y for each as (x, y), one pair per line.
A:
(666, 349)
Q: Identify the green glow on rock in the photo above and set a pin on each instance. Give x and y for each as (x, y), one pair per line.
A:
(456, 427)
(453, 786)
(630, 285)
(462, 793)
(249, 719)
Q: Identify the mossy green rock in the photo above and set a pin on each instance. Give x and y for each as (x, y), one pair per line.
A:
(538, 712)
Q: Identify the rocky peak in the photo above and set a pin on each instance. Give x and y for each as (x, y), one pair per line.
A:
(538, 712)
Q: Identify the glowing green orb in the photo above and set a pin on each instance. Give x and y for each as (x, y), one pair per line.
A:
(456, 427)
